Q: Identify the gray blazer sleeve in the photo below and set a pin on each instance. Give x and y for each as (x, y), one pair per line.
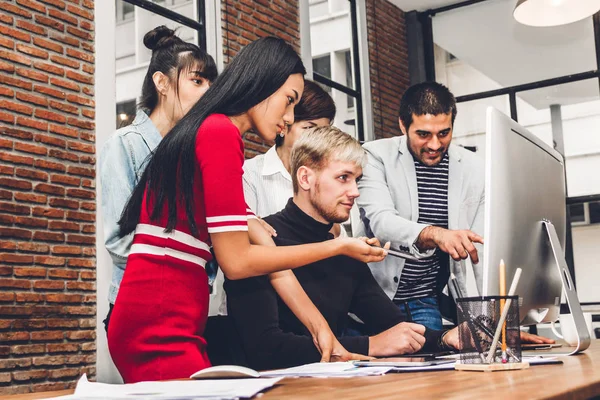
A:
(378, 209)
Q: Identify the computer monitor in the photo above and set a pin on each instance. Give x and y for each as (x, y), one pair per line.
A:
(525, 219)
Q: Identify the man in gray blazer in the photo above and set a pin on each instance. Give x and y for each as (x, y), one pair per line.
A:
(425, 196)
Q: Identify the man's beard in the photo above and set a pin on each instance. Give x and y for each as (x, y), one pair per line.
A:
(420, 156)
(328, 215)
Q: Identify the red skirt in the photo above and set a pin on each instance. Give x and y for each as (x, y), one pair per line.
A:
(157, 323)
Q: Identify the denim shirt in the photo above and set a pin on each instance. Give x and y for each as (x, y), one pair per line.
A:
(121, 163)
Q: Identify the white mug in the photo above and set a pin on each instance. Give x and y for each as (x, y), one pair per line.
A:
(567, 328)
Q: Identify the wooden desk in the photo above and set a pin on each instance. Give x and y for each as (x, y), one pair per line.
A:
(577, 378)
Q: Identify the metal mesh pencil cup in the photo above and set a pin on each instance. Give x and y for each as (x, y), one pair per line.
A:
(478, 319)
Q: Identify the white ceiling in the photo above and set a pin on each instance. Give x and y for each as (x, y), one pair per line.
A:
(422, 5)
(486, 37)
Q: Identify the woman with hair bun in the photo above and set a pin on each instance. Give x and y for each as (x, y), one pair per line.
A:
(190, 197)
(178, 75)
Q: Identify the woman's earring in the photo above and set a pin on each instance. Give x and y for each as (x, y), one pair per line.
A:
(281, 134)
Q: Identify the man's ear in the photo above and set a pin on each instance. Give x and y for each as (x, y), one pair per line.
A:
(161, 82)
(306, 178)
(402, 127)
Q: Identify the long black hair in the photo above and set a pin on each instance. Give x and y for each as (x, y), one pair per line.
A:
(257, 72)
(171, 55)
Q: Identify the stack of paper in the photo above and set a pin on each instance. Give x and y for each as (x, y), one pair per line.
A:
(326, 370)
(208, 389)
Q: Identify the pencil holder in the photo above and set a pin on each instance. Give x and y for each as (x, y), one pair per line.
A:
(478, 320)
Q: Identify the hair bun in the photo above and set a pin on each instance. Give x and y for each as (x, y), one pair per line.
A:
(158, 37)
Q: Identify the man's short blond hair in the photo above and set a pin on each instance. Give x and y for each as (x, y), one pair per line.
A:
(318, 146)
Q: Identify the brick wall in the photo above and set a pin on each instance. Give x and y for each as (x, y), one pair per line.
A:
(47, 194)
(388, 60)
(243, 21)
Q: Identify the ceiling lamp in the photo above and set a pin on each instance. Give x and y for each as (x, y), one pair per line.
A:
(554, 12)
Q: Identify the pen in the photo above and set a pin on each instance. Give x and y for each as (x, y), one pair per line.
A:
(502, 303)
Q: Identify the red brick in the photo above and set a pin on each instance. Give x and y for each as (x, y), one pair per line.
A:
(7, 43)
(64, 373)
(88, 229)
(80, 239)
(14, 232)
(80, 55)
(53, 69)
(63, 155)
(16, 107)
(50, 189)
(10, 297)
(13, 336)
(87, 160)
(80, 193)
(13, 9)
(88, 183)
(31, 198)
(31, 148)
(15, 183)
(51, 140)
(30, 272)
(51, 22)
(28, 297)
(17, 133)
(63, 274)
(14, 208)
(35, 175)
(83, 286)
(66, 39)
(47, 336)
(66, 85)
(74, 310)
(68, 250)
(83, 147)
(33, 247)
(48, 260)
(88, 206)
(65, 180)
(50, 116)
(49, 285)
(50, 165)
(47, 44)
(32, 51)
(49, 360)
(34, 5)
(90, 70)
(28, 349)
(56, 3)
(62, 323)
(59, 94)
(65, 61)
(80, 123)
(62, 16)
(11, 364)
(88, 275)
(81, 216)
(88, 4)
(17, 82)
(5, 117)
(65, 203)
(49, 236)
(89, 251)
(6, 144)
(20, 310)
(63, 298)
(29, 324)
(8, 258)
(6, 19)
(31, 74)
(6, 92)
(64, 107)
(15, 33)
(32, 123)
(8, 67)
(36, 374)
(63, 226)
(31, 222)
(62, 347)
(6, 245)
(31, 98)
(7, 220)
(48, 212)
(6, 377)
(49, 387)
(32, 27)
(84, 101)
(64, 131)
(81, 335)
(81, 34)
(88, 26)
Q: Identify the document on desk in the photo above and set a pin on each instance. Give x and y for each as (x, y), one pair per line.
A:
(327, 370)
(207, 389)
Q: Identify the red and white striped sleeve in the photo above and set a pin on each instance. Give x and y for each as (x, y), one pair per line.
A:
(220, 154)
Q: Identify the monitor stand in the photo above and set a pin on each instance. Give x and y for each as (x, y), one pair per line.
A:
(583, 341)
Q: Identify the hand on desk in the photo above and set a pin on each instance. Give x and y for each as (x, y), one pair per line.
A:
(403, 338)
(331, 349)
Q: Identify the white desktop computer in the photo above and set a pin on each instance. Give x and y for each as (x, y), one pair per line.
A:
(525, 222)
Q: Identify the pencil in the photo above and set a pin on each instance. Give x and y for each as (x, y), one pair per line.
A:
(502, 302)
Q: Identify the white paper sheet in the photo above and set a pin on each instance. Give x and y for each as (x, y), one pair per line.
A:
(205, 389)
(327, 370)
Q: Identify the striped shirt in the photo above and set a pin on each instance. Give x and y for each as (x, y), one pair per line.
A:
(418, 278)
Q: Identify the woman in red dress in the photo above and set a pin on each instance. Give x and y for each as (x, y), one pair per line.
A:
(191, 196)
